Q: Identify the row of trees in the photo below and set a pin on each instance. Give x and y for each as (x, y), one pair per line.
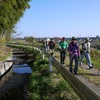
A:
(10, 13)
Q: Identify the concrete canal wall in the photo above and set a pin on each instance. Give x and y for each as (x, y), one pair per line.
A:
(5, 66)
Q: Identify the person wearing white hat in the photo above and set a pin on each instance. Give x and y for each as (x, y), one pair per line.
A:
(86, 49)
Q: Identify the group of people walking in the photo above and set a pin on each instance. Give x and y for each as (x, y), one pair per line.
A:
(49, 46)
(75, 52)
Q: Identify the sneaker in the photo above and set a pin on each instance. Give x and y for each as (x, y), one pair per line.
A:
(64, 65)
(71, 71)
(90, 67)
(75, 72)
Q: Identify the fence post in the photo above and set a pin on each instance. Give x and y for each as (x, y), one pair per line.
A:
(40, 51)
(50, 63)
(43, 52)
(4, 65)
(43, 55)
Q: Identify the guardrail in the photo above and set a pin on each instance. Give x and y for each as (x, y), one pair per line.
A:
(83, 91)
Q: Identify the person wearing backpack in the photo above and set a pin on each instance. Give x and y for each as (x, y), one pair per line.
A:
(86, 49)
(62, 46)
(51, 45)
(74, 54)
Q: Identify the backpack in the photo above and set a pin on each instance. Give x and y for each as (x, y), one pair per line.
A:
(45, 44)
(83, 46)
(51, 44)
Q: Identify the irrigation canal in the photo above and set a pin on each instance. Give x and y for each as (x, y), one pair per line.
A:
(12, 83)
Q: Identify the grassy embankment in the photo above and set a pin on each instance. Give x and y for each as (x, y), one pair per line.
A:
(4, 50)
(44, 85)
(95, 57)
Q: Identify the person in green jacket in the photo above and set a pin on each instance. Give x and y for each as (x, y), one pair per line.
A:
(63, 45)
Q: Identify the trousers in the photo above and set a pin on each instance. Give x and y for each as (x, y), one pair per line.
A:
(73, 58)
(87, 56)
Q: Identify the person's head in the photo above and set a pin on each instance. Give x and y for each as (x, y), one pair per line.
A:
(74, 39)
(51, 39)
(87, 39)
(63, 38)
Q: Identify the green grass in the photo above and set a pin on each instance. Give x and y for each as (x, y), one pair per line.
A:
(95, 57)
(45, 85)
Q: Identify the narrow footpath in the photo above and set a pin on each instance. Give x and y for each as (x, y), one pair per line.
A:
(91, 78)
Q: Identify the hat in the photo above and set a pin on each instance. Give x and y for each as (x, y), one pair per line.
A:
(73, 38)
(51, 39)
(63, 38)
(87, 38)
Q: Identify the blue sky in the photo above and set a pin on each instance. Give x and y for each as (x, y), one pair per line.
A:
(58, 18)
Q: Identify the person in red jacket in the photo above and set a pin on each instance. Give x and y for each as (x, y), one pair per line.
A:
(51, 45)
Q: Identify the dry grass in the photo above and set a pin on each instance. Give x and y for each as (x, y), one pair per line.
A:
(4, 52)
